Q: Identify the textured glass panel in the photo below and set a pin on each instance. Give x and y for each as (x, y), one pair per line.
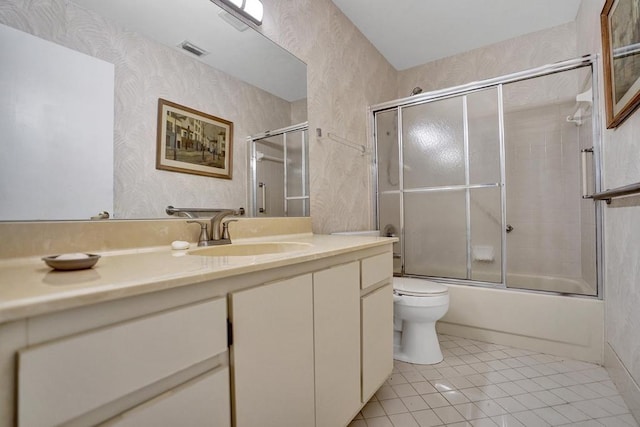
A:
(390, 223)
(433, 144)
(486, 235)
(387, 150)
(298, 207)
(295, 164)
(435, 234)
(270, 172)
(484, 137)
(552, 235)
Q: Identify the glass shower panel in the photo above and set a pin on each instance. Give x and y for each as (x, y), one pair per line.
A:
(435, 243)
(486, 234)
(548, 248)
(433, 144)
(270, 176)
(484, 137)
(298, 207)
(295, 164)
(387, 150)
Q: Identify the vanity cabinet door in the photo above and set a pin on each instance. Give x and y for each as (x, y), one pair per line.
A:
(336, 313)
(377, 339)
(272, 354)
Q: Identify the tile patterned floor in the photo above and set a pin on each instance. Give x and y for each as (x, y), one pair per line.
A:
(481, 385)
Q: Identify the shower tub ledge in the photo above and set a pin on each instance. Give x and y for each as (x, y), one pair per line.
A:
(553, 324)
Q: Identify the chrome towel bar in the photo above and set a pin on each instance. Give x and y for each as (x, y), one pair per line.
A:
(625, 190)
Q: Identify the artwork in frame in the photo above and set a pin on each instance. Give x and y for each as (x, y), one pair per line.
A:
(620, 22)
(191, 141)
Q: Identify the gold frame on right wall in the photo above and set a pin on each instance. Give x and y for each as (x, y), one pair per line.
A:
(620, 25)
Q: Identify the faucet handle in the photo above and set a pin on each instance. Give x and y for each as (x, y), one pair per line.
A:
(204, 236)
(225, 229)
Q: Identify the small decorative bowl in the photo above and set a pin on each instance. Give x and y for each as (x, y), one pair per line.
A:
(71, 264)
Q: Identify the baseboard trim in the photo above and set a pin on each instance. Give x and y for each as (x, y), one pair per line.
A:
(621, 377)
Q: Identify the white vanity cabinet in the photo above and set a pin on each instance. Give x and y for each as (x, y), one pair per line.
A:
(302, 346)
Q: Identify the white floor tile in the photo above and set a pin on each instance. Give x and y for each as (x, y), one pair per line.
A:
(455, 397)
(551, 416)
(485, 385)
(530, 419)
(414, 403)
(435, 400)
(507, 420)
(385, 392)
(426, 418)
(404, 390)
(470, 411)
(379, 422)
(403, 420)
(424, 387)
(372, 409)
(393, 406)
(448, 414)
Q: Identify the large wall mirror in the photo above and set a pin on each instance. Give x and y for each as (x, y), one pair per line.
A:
(241, 77)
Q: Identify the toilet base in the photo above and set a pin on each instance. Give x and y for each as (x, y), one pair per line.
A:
(417, 343)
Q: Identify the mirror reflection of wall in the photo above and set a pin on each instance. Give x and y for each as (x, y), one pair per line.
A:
(56, 117)
(146, 70)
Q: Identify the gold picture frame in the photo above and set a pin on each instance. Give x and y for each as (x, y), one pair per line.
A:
(190, 141)
(620, 25)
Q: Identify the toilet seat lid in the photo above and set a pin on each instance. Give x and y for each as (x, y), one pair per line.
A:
(418, 287)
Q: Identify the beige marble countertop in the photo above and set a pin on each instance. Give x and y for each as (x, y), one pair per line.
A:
(28, 287)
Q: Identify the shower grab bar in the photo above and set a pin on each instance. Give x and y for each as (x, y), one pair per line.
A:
(625, 190)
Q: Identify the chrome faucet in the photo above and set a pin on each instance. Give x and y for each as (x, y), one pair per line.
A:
(218, 232)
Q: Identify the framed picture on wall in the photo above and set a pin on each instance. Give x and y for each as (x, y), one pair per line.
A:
(620, 21)
(191, 141)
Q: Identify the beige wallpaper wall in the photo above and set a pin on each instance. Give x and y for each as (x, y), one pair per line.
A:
(621, 151)
(345, 75)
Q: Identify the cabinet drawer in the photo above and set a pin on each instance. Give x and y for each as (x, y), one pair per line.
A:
(203, 401)
(97, 367)
(375, 269)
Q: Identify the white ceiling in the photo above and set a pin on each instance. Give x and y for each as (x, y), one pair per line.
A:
(414, 32)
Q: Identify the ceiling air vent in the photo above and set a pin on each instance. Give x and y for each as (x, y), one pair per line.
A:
(192, 48)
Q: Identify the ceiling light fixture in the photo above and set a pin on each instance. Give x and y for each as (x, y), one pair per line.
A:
(250, 9)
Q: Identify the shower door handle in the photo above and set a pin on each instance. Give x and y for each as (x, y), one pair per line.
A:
(585, 178)
(263, 208)
(509, 228)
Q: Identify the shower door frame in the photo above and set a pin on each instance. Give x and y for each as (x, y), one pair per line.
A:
(253, 167)
(466, 89)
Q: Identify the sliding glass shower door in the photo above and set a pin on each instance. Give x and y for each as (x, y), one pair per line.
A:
(483, 185)
(450, 187)
(279, 178)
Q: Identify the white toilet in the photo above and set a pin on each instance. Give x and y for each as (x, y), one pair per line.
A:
(417, 305)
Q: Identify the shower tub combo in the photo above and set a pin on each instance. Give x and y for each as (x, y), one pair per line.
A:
(487, 187)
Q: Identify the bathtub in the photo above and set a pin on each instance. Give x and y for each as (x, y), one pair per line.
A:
(560, 325)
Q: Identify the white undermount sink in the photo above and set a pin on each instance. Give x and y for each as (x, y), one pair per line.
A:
(250, 249)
